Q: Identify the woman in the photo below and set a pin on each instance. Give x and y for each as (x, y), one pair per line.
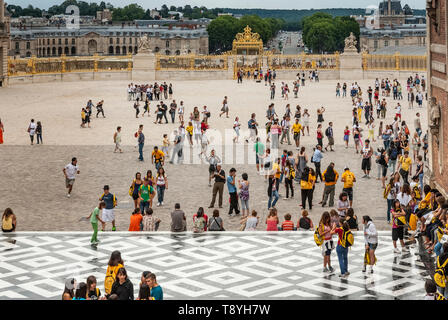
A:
(39, 132)
(251, 222)
(236, 128)
(356, 137)
(151, 179)
(302, 160)
(275, 134)
(326, 230)
(320, 114)
(133, 189)
(144, 292)
(81, 292)
(199, 223)
(2, 130)
(319, 135)
(272, 191)
(170, 91)
(196, 114)
(286, 91)
(416, 144)
(244, 194)
(307, 183)
(181, 111)
(419, 171)
(341, 250)
(298, 114)
(213, 161)
(9, 221)
(289, 174)
(351, 219)
(306, 122)
(390, 193)
(371, 240)
(123, 287)
(225, 108)
(201, 213)
(343, 204)
(115, 263)
(338, 90)
(215, 223)
(69, 290)
(272, 220)
(397, 228)
(371, 131)
(162, 185)
(189, 130)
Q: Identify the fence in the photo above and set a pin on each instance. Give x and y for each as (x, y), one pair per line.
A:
(62, 64)
(394, 62)
(191, 62)
(303, 62)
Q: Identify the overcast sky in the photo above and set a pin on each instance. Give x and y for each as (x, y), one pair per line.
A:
(265, 4)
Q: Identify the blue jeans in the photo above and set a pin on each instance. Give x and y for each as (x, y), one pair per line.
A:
(160, 193)
(438, 249)
(392, 165)
(273, 195)
(389, 207)
(140, 151)
(420, 178)
(343, 258)
(386, 144)
(143, 206)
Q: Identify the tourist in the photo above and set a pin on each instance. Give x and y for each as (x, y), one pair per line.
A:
(158, 157)
(431, 291)
(83, 118)
(272, 220)
(206, 114)
(236, 128)
(367, 153)
(117, 140)
(99, 109)
(39, 132)
(330, 176)
(122, 286)
(320, 114)
(218, 186)
(275, 134)
(287, 225)
(87, 117)
(201, 213)
(326, 230)
(199, 222)
(143, 292)
(213, 161)
(204, 143)
(164, 109)
(231, 186)
(352, 219)
(173, 107)
(69, 289)
(165, 145)
(356, 136)
(371, 240)
(306, 122)
(162, 185)
(259, 149)
(419, 171)
(405, 167)
(329, 134)
(178, 219)
(289, 174)
(225, 108)
(393, 156)
(319, 135)
(296, 128)
(316, 159)
(2, 131)
(416, 144)
(115, 263)
(178, 146)
(146, 109)
(181, 111)
(93, 292)
(397, 228)
(149, 222)
(307, 183)
(252, 126)
(9, 221)
(346, 136)
(94, 218)
(342, 249)
(134, 189)
(305, 223)
(136, 220)
(146, 193)
(141, 142)
(156, 289)
(349, 179)
(343, 204)
(251, 222)
(81, 291)
(108, 214)
(272, 188)
(70, 171)
(382, 162)
(32, 130)
(244, 194)
(215, 223)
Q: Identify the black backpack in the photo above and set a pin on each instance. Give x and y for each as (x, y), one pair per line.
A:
(393, 154)
(327, 132)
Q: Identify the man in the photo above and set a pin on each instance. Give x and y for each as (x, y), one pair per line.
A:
(272, 91)
(367, 153)
(252, 125)
(164, 109)
(220, 177)
(178, 146)
(348, 178)
(173, 107)
(405, 167)
(141, 142)
(259, 149)
(146, 193)
(417, 124)
(330, 177)
(296, 128)
(70, 171)
(178, 220)
(117, 140)
(286, 127)
(329, 134)
(156, 289)
(231, 186)
(316, 159)
(158, 157)
(370, 92)
(108, 214)
(99, 109)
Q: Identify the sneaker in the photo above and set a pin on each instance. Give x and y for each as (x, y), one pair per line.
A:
(396, 250)
(285, 198)
(367, 177)
(114, 229)
(161, 203)
(325, 270)
(158, 204)
(68, 195)
(364, 176)
(341, 275)
(347, 273)
(331, 269)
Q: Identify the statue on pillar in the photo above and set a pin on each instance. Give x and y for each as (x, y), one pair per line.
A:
(350, 43)
(434, 115)
(144, 45)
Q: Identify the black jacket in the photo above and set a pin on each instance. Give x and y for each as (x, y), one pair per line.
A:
(124, 291)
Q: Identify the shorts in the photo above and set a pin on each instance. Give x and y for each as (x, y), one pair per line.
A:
(118, 146)
(397, 233)
(349, 192)
(244, 204)
(331, 141)
(366, 165)
(108, 215)
(257, 159)
(296, 136)
(135, 196)
(372, 246)
(327, 247)
(69, 182)
(346, 137)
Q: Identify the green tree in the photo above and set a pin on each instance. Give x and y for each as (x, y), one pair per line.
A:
(322, 37)
(221, 33)
(128, 13)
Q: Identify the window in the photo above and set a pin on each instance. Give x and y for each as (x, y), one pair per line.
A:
(28, 45)
(17, 45)
(73, 41)
(397, 43)
(66, 41)
(386, 43)
(375, 44)
(111, 40)
(59, 41)
(167, 52)
(130, 40)
(124, 40)
(167, 44)
(118, 40)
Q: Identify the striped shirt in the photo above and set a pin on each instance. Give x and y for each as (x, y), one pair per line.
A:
(288, 225)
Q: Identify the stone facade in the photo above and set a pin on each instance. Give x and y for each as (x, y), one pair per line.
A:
(106, 40)
(438, 90)
(4, 44)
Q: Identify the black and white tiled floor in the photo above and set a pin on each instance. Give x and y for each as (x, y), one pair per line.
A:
(229, 265)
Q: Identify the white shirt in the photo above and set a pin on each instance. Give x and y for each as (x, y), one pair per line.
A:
(71, 170)
(404, 198)
(32, 128)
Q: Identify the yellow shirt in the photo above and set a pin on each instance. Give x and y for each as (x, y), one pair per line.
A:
(426, 202)
(296, 127)
(308, 184)
(335, 179)
(158, 155)
(189, 130)
(348, 177)
(276, 170)
(405, 163)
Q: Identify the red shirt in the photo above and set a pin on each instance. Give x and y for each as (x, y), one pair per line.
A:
(205, 218)
(340, 233)
(135, 222)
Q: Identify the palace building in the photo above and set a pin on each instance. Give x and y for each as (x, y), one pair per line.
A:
(438, 94)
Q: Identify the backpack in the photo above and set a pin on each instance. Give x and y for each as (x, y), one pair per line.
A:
(387, 191)
(327, 132)
(347, 239)
(439, 274)
(292, 173)
(367, 258)
(413, 222)
(400, 221)
(111, 275)
(393, 154)
(304, 223)
(131, 188)
(417, 192)
(318, 238)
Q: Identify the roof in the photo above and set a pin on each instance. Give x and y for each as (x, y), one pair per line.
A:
(403, 50)
(395, 7)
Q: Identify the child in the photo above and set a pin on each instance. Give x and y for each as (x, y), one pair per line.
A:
(189, 130)
(93, 293)
(136, 218)
(334, 217)
(150, 223)
(304, 222)
(346, 136)
(431, 291)
(287, 225)
(94, 218)
(165, 145)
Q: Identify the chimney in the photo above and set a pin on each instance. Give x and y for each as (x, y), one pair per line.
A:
(389, 8)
